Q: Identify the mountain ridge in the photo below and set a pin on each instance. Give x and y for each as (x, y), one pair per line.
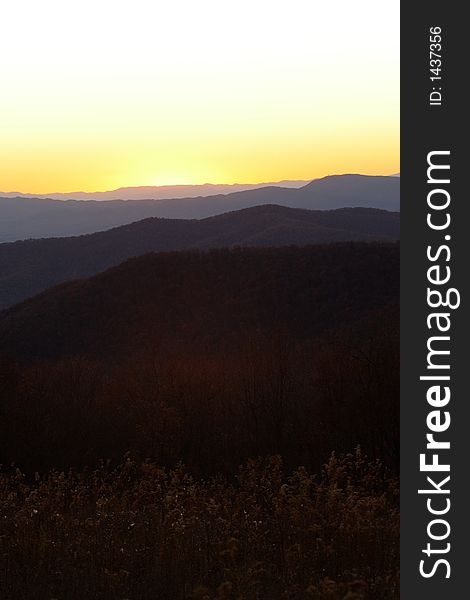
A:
(24, 218)
(158, 192)
(28, 267)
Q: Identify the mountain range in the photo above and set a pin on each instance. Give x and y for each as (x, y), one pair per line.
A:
(29, 267)
(30, 218)
(158, 192)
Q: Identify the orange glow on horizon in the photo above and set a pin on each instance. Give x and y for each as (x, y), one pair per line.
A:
(104, 95)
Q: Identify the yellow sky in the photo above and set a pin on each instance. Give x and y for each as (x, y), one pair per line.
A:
(99, 94)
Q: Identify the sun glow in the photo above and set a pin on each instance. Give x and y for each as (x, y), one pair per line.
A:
(102, 94)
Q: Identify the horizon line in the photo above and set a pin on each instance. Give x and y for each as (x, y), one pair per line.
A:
(186, 185)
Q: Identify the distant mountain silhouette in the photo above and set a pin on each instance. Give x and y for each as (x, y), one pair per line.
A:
(194, 301)
(158, 192)
(23, 218)
(29, 267)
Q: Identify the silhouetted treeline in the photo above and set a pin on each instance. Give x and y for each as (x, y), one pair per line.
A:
(279, 395)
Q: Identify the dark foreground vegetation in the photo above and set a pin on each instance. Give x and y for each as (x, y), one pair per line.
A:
(270, 359)
(140, 532)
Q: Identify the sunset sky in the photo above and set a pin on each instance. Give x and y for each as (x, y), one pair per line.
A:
(99, 94)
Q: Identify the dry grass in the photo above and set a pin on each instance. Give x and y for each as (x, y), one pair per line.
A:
(141, 532)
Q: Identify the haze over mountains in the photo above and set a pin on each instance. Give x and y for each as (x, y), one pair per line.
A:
(25, 218)
(158, 192)
(29, 267)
